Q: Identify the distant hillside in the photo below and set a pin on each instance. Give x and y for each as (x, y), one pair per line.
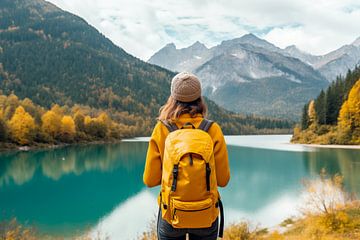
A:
(247, 74)
(51, 56)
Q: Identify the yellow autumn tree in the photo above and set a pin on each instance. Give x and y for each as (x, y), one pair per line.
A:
(104, 120)
(349, 117)
(344, 120)
(354, 104)
(22, 126)
(12, 102)
(68, 129)
(79, 119)
(51, 123)
(96, 127)
(57, 109)
(312, 115)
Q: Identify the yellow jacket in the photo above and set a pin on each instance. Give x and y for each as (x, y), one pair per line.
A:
(152, 173)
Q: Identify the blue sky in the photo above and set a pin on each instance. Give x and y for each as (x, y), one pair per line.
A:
(142, 27)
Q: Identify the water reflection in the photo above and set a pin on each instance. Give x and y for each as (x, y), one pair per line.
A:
(70, 190)
(130, 218)
(20, 167)
(66, 196)
(342, 161)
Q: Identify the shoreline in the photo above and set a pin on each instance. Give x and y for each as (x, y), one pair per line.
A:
(11, 147)
(330, 146)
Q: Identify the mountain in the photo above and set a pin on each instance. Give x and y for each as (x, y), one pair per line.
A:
(52, 56)
(250, 75)
(252, 40)
(293, 51)
(333, 64)
(356, 42)
(195, 55)
(338, 62)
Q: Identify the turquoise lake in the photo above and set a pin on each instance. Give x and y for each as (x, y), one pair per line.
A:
(98, 188)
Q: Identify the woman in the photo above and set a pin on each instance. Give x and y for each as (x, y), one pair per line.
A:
(185, 105)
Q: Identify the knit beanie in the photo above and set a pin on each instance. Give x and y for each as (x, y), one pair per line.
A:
(185, 87)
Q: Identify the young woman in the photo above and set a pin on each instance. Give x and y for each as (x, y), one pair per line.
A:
(185, 105)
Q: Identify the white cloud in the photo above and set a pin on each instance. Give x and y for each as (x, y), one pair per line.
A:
(142, 27)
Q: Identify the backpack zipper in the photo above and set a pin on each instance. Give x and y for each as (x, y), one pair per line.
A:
(184, 210)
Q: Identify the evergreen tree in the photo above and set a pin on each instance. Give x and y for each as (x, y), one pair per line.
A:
(320, 108)
(305, 117)
(330, 112)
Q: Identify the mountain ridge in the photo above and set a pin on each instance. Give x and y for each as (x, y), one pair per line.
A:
(233, 68)
(347, 55)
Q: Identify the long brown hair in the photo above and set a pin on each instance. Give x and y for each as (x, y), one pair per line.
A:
(173, 109)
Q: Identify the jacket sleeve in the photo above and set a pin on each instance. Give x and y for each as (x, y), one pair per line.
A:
(152, 172)
(220, 155)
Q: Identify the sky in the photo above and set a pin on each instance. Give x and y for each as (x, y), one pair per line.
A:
(142, 27)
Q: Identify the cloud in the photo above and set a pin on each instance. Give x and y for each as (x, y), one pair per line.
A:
(142, 27)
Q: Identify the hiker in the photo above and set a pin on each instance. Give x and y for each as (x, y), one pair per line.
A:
(187, 156)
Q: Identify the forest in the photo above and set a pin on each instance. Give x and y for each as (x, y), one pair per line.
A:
(23, 122)
(334, 116)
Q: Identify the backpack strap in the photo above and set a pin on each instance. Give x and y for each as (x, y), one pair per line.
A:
(208, 172)
(169, 125)
(222, 217)
(205, 125)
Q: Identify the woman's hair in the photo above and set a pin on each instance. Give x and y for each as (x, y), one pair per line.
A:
(174, 108)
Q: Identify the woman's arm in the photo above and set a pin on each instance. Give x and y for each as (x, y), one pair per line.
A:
(152, 172)
(220, 155)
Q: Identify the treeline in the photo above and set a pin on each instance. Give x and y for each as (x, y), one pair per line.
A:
(24, 123)
(334, 116)
(236, 124)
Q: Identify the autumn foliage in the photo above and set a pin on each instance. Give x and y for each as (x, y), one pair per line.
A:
(24, 123)
(349, 118)
(318, 123)
(21, 126)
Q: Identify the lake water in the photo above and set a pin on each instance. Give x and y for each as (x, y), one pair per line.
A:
(98, 188)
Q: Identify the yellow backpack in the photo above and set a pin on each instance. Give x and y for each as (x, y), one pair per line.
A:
(189, 197)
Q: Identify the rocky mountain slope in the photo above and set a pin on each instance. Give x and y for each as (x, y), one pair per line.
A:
(248, 74)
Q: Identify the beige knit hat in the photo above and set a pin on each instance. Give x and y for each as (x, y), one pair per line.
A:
(185, 87)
